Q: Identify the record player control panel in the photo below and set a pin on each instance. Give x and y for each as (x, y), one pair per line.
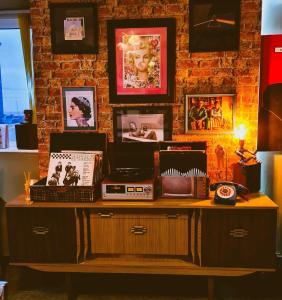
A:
(127, 191)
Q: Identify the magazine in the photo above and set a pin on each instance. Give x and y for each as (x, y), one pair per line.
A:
(74, 29)
(71, 169)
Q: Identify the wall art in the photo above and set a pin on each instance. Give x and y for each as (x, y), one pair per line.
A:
(142, 124)
(141, 55)
(79, 108)
(209, 113)
(74, 28)
(214, 25)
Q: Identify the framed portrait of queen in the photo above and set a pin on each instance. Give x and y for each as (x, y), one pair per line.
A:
(141, 55)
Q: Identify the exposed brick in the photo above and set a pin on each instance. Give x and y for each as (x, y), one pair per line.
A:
(209, 72)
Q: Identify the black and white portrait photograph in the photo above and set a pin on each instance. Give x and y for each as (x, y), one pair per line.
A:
(79, 108)
(143, 128)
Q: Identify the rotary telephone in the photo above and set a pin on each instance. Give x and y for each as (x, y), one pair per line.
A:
(226, 192)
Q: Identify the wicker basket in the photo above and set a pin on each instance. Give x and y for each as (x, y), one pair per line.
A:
(40, 192)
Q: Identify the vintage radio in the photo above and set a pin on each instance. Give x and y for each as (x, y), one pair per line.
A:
(114, 190)
(186, 187)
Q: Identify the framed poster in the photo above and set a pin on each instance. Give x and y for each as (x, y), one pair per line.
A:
(142, 124)
(79, 108)
(141, 55)
(214, 25)
(209, 113)
(74, 28)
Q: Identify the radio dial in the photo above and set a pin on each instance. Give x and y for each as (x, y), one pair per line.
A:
(147, 189)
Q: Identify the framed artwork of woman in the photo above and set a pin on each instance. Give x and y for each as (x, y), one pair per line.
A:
(141, 56)
(79, 108)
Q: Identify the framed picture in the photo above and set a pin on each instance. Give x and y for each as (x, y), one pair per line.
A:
(142, 124)
(74, 27)
(214, 25)
(79, 108)
(209, 113)
(141, 55)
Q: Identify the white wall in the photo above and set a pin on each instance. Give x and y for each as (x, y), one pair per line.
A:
(12, 167)
(271, 22)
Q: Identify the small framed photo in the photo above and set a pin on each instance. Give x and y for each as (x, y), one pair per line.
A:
(79, 108)
(214, 25)
(142, 124)
(209, 113)
(141, 55)
(74, 28)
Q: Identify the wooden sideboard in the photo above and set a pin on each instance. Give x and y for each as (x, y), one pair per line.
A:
(165, 236)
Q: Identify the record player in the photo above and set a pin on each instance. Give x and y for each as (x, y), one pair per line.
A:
(131, 174)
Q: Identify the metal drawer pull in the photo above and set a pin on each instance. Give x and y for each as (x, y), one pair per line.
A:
(40, 230)
(172, 216)
(137, 229)
(239, 232)
(108, 215)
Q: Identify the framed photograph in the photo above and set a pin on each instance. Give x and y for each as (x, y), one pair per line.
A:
(142, 124)
(214, 25)
(74, 28)
(209, 113)
(141, 55)
(79, 108)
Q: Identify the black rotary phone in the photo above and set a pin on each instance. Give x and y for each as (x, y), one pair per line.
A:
(226, 192)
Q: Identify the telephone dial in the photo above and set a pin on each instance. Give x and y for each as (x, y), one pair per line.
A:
(226, 192)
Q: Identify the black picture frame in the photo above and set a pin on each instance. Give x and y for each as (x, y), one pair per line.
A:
(156, 121)
(214, 25)
(74, 28)
(85, 102)
(159, 85)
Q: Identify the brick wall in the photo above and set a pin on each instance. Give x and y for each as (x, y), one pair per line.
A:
(214, 72)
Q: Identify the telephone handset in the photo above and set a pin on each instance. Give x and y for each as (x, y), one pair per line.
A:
(226, 192)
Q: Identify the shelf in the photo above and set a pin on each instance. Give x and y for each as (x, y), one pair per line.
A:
(138, 265)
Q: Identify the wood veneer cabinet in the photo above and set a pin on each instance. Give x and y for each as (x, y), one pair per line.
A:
(165, 236)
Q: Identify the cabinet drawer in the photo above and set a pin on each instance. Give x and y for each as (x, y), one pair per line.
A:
(238, 238)
(43, 235)
(161, 234)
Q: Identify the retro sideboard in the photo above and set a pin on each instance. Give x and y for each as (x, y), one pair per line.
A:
(165, 236)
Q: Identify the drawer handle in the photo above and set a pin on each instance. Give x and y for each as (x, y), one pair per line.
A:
(138, 229)
(40, 230)
(108, 215)
(172, 216)
(239, 233)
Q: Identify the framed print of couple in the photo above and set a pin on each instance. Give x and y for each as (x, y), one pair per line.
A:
(141, 55)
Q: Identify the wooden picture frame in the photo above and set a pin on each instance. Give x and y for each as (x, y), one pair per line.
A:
(209, 113)
(79, 108)
(142, 124)
(214, 25)
(74, 28)
(141, 55)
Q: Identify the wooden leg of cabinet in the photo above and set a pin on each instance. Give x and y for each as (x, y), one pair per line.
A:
(71, 293)
(211, 284)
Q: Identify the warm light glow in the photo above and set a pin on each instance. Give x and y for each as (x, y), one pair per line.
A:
(240, 132)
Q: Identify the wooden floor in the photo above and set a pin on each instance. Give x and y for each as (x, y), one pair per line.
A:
(26, 284)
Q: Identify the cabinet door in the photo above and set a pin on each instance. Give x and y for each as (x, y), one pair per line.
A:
(238, 238)
(158, 234)
(43, 235)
